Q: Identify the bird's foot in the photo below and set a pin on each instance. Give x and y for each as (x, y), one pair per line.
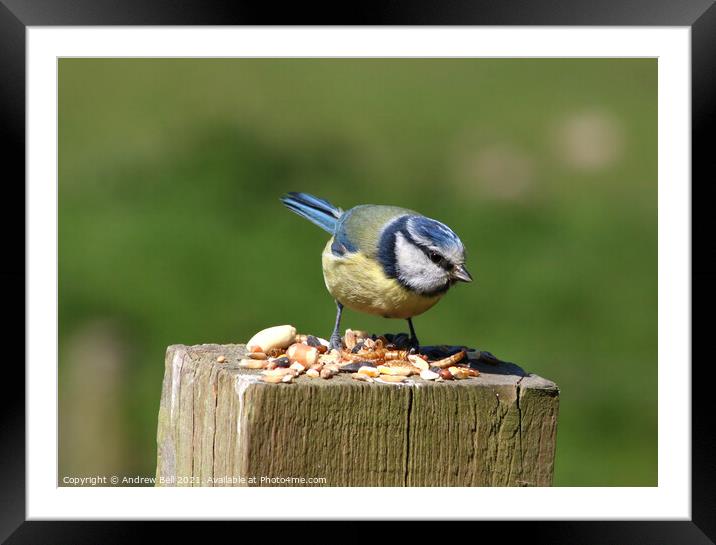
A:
(336, 342)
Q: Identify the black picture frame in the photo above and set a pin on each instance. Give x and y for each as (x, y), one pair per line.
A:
(16, 15)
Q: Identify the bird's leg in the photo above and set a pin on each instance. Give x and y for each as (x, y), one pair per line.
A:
(414, 343)
(335, 340)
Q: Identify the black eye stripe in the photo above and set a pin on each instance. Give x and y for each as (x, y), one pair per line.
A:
(443, 263)
(386, 252)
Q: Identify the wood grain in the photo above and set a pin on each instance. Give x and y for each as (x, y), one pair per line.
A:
(220, 426)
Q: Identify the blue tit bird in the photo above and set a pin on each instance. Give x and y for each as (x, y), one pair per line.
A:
(383, 260)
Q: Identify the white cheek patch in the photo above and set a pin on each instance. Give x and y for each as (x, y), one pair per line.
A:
(415, 268)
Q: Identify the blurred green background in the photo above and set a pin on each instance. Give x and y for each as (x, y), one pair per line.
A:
(171, 231)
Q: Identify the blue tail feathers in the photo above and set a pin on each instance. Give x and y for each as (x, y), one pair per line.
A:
(315, 210)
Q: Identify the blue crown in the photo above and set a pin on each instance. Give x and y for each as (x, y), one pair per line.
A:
(424, 229)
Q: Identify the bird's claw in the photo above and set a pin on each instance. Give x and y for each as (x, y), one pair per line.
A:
(336, 343)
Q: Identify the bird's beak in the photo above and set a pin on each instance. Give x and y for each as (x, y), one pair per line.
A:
(460, 273)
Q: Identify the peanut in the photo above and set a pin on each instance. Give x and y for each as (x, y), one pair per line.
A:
(257, 355)
(390, 378)
(427, 374)
(303, 354)
(445, 374)
(272, 337)
(369, 371)
(253, 364)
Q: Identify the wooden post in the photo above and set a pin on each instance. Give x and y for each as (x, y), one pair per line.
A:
(219, 425)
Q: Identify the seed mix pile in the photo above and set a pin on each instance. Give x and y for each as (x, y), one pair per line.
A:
(284, 354)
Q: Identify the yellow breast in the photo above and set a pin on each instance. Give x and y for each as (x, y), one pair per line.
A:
(359, 283)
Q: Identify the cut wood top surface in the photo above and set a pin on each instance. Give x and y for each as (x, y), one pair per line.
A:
(220, 420)
(503, 374)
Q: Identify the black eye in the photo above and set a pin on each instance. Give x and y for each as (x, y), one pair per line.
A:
(435, 257)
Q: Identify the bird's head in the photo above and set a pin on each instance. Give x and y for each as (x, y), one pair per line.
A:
(424, 255)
